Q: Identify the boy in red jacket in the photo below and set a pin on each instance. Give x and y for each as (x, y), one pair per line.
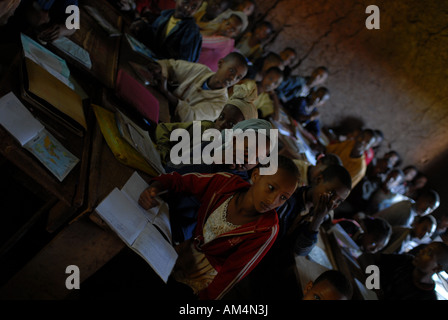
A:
(237, 224)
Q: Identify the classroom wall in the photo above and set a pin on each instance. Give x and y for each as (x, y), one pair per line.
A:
(393, 79)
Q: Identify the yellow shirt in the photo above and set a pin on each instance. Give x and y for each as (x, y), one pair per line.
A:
(355, 166)
(171, 24)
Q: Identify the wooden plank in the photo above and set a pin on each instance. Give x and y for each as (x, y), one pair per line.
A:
(82, 243)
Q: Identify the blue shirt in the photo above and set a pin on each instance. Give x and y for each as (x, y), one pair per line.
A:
(184, 41)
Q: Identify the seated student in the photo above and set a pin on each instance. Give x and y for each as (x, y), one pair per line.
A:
(305, 109)
(288, 55)
(174, 34)
(251, 43)
(218, 37)
(239, 107)
(302, 215)
(385, 195)
(258, 69)
(329, 285)
(237, 224)
(370, 153)
(245, 6)
(405, 277)
(410, 172)
(442, 225)
(352, 154)
(359, 197)
(267, 103)
(309, 172)
(193, 91)
(416, 185)
(404, 239)
(7, 9)
(149, 10)
(184, 219)
(370, 234)
(210, 9)
(46, 17)
(300, 219)
(402, 213)
(299, 86)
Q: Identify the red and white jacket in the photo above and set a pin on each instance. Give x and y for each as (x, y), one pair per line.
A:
(233, 254)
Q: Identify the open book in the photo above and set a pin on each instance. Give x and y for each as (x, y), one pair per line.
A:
(48, 85)
(33, 136)
(140, 140)
(147, 232)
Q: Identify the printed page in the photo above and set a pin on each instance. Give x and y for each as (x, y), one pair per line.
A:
(45, 58)
(139, 47)
(122, 215)
(153, 247)
(17, 119)
(53, 155)
(73, 50)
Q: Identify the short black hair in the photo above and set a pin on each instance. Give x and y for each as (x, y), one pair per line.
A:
(337, 172)
(238, 57)
(331, 158)
(322, 68)
(276, 70)
(378, 226)
(338, 280)
(288, 165)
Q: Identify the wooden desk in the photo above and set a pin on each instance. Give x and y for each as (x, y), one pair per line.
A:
(82, 242)
(104, 50)
(71, 191)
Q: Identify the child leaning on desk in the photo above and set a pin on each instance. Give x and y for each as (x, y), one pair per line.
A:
(237, 224)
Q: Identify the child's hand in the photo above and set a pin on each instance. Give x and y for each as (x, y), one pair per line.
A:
(323, 206)
(147, 198)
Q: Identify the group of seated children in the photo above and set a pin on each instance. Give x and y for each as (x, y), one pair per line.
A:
(235, 220)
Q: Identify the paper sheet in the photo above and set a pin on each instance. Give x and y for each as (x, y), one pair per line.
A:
(16, 118)
(73, 50)
(132, 223)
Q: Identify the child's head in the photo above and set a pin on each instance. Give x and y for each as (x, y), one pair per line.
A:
(318, 76)
(393, 158)
(231, 69)
(318, 97)
(272, 59)
(229, 117)
(232, 24)
(247, 154)
(271, 191)
(363, 142)
(393, 180)
(410, 172)
(423, 226)
(329, 285)
(420, 181)
(375, 236)
(186, 8)
(379, 138)
(215, 8)
(322, 163)
(427, 202)
(272, 78)
(288, 55)
(239, 107)
(336, 180)
(246, 6)
(432, 259)
(262, 31)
